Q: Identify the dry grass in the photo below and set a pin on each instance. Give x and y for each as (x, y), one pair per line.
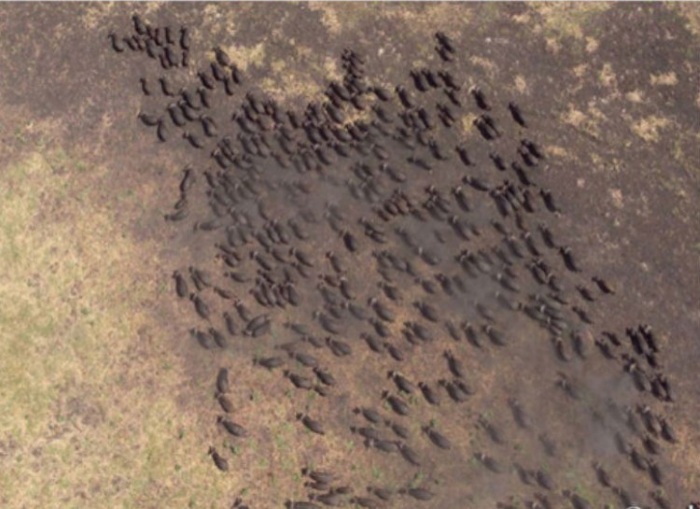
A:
(648, 128)
(89, 412)
(691, 12)
(568, 19)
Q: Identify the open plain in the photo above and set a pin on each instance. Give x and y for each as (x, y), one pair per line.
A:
(447, 253)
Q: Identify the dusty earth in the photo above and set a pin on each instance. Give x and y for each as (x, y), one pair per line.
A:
(106, 400)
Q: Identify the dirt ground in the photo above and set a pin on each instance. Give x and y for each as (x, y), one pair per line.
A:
(104, 399)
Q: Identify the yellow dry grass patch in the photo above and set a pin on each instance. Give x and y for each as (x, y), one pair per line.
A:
(691, 11)
(635, 96)
(296, 87)
(93, 15)
(339, 18)
(607, 76)
(468, 128)
(425, 17)
(568, 19)
(584, 121)
(488, 65)
(330, 16)
(415, 20)
(616, 197)
(591, 45)
(558, 151)
(580, 70)
(667, 78)
(648, 128)
(521, 84)
(553, 45)
(305, 85)
(244, 56)
(88, 412)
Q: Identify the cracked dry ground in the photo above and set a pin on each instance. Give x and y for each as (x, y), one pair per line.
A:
(420, 283)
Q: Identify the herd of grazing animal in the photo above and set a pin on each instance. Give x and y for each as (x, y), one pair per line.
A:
(403, 235)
